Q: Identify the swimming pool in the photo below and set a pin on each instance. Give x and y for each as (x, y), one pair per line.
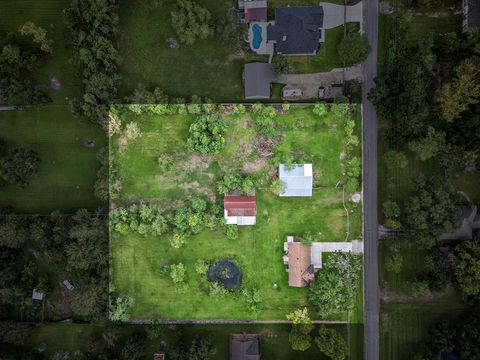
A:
(257, 36)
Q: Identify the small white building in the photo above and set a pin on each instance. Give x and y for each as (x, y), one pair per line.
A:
(37, 295)
(240, 210)
(297, 181)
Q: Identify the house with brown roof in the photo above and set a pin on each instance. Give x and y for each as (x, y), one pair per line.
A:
(304, 260)
(240, 210)
(244, 346)
(298, 258)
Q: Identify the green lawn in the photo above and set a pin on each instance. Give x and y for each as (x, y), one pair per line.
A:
(137, 261)
(48, 14)
(68, 169)
(404, 327)
(327, 57)
(274, 339)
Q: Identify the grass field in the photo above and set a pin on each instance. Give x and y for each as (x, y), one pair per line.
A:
(68, 169)
(137, 261)
(404, 327)
(274, 339)
(47, 14)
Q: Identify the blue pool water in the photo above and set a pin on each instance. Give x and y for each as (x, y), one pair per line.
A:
(257, 36)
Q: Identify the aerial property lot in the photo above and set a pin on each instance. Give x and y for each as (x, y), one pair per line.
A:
(205, 55)
(181, 249)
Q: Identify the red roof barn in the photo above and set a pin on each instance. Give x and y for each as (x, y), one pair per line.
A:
(240, 210)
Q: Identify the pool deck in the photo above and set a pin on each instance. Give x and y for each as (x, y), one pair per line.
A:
(265, 48)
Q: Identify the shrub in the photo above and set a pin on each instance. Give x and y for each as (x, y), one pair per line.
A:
(178, 273)
(331, 343)
(239, 109)
(119, 309)
(354, 167)
(395, 160)
(177, 240)
(39, 35)
(281, 65)
(207, 134)
(353, 48)
(231, 231)
(253, 299)
(201, 267)
(132, 131)
(263, 114)
(320, 109)
(352, 185)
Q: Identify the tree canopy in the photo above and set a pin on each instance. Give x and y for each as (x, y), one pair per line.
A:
(191, 21)
(207, 134)
(19, 165)
(336, 284)
(353, 48)
(465, 264)
(431, 210)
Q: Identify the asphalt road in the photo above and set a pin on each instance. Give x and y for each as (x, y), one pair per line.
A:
(370, 221)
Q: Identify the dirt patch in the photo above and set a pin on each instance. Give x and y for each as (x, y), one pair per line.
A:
(264, 146)
(195, 161)
(255, 166)
(194, 185)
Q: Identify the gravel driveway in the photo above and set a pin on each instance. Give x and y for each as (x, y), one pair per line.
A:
(309, 83)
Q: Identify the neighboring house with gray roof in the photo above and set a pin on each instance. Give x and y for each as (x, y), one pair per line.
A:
(244, 346)
(296, 181)
(297, 30)
(470, 220)
(471, 14)
(258, 79)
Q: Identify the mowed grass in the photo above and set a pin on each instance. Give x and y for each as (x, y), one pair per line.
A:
(404, 328)
(67, 170)
(47, 14)
(137, 261)
(274, 344)
(206, 68)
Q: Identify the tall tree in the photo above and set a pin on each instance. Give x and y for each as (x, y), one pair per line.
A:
(464, 90)
(465, 264)
(431, 210)
(19, 165)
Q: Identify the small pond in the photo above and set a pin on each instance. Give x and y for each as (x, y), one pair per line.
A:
(227, 273)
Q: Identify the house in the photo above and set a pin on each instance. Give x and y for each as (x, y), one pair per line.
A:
(297, 30)
(240, 210)
(304, 260)
(244, 346)
(300, 269)
(471, 14)
(159, 356)
(297, 181)
(258, 79)
(470, 220)
(253, 10)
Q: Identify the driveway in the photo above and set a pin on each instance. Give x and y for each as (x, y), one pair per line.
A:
(309, 83)
(334, 15)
